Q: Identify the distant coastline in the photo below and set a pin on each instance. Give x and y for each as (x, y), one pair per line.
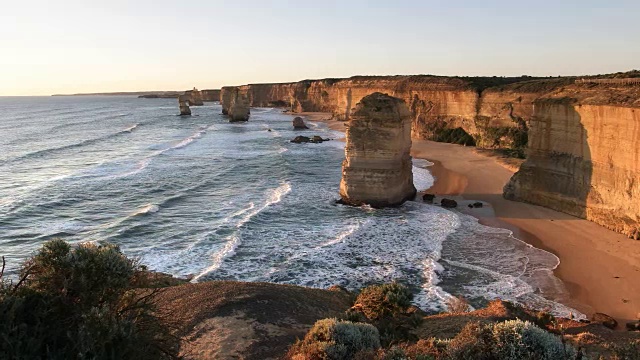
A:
(166, 94)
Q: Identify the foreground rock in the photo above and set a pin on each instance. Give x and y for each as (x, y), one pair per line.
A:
(225, 98)
(237, 320)
(183, 102)
(298, 124)
(377, 166)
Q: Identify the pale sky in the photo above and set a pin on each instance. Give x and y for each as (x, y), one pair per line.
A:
(70, 46)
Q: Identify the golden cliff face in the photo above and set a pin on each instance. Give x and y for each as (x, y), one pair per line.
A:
(438, 105)
(377, 169)
(583, 159)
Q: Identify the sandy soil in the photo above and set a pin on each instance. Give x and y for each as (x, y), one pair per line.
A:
(600, 268)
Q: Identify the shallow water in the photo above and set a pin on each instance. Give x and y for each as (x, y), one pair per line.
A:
(200, 196)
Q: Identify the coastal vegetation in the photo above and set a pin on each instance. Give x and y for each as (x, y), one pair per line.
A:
(90, 301)
(83, 302)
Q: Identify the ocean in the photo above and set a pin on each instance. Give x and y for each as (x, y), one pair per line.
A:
(199, 196)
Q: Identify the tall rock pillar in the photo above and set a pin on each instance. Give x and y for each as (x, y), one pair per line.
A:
(239, 106)
(183, 102)
(377, 169)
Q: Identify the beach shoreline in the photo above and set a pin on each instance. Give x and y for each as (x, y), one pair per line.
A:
(599, 268)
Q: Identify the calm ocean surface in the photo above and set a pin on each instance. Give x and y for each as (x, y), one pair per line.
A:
(200, 196)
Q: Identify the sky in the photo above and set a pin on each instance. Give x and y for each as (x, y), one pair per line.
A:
(73, 46)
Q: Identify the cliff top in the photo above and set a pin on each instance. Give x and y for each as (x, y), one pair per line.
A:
(596, 94)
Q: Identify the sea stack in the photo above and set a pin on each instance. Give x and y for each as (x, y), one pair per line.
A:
(238, 106)
(183, 102)
(225, 98)
(377, 169)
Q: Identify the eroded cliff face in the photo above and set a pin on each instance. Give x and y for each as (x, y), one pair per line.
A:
(583, 157)
(183, 103)
(377, 169)
(210, 95)
(457, 110)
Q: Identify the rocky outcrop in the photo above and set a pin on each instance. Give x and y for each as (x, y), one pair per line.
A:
(183, 102)
(298, 124)
(225, 98)
(195, 97)
(235, 103)
(377, 169)
(584, 155)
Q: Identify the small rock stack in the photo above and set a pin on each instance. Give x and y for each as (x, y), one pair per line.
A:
(183, 102)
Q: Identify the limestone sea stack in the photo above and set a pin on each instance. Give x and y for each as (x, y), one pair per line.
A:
(235, 103)
(239, 106)
(377, 169)
(225, 98)
(183, 102)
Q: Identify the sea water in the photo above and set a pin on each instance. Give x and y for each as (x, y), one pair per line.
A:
(199, 196)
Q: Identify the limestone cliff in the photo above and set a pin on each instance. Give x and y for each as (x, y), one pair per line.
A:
(583, 156)
(452, 109)
(210, 95)
(377, 169)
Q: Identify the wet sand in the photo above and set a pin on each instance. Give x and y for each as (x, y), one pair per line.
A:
(600, 268)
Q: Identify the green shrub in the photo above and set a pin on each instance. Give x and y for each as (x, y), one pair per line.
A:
(78, 303)
(378, 301)
(509, 340)
(336, 340)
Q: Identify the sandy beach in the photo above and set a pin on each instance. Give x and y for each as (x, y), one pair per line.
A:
(600, 268)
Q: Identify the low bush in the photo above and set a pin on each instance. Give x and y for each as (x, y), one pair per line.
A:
(336, 340)
(78, 303)
(378, 301)
(458, 305)
(509, 340)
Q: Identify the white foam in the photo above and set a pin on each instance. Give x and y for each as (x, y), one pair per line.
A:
(233, 241)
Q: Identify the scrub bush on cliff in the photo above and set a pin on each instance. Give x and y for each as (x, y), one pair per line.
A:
(80, 303)
(509, 340)
(336, 340)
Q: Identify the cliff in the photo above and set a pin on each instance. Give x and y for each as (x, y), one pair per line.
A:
(583, 155)
(472, 111)
(210, 95)
(377, 169)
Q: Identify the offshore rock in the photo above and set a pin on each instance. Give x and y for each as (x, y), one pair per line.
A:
(225, 98)
(298, 123)
(183, 102)
(377, 169)
(235, 103)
